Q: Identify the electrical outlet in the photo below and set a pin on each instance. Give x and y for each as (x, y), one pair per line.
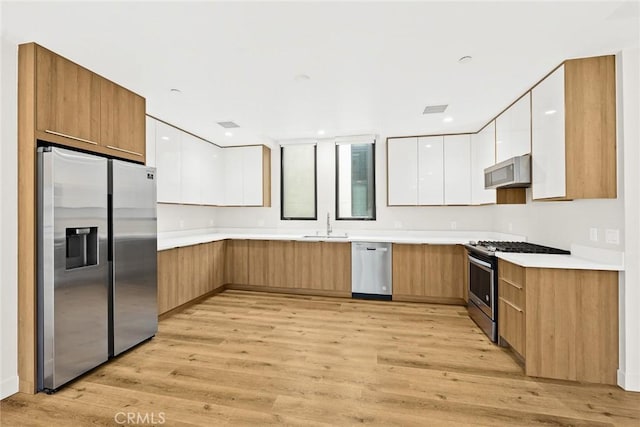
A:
(510, 227)
(210, 223)
(181, 223)
(454, 225)
(593, 234)
(261, 223)
(612, 236)
(397, 224)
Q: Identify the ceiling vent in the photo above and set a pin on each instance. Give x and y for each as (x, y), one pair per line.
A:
(228, 125)
(434, 109)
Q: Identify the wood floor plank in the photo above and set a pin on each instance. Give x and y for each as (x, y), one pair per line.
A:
(251, 358)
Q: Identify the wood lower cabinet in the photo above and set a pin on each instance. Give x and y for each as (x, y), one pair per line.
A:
(189, 272)
(563, 322)
(168, 280)
(299, 266)
(433, 273)
(237, 262)
(511, 306)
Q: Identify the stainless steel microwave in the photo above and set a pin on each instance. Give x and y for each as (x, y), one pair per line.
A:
(514, 172)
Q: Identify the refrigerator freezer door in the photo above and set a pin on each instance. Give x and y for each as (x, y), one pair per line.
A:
(134, 260)
(73, 275)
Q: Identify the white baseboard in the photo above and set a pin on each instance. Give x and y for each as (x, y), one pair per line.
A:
(629, 382)
(8, 386)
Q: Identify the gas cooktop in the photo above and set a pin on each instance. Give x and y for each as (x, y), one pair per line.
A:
(489, 247)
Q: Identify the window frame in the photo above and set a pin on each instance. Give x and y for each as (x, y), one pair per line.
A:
(315, 187)
(337, 183)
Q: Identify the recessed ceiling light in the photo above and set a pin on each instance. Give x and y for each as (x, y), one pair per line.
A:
(166, 138)
(228, 134)
(320, 132)
(428, 146)
(448, 119)
(302, 78)
(465, 59)
(175, 91)
(549, 112)
(498, 142)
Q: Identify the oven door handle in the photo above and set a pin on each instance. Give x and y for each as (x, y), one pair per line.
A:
(479, 262)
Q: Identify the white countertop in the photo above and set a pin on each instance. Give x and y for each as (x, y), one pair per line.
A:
(178, 239)
(581, 258)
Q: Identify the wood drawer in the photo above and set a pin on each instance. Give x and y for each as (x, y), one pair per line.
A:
(513, 273)
(511, 325)
(512, 292)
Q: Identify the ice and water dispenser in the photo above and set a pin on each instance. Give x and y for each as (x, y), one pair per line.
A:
(82, 247)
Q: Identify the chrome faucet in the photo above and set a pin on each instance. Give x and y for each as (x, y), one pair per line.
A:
(328, 224)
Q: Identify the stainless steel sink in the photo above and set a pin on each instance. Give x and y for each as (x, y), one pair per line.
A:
(324, 237)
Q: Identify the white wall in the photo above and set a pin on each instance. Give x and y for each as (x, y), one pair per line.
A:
(184, 217)
(629, 370)
(8, 216)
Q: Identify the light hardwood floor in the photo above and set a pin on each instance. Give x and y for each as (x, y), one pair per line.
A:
(251, 358)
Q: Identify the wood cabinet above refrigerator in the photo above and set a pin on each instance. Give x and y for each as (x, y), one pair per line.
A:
(78, 108)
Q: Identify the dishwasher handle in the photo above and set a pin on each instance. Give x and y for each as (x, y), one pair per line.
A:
(377, 249)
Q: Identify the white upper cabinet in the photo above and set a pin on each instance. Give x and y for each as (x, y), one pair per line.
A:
(457, 170)
(483, 155)
(430, 170)
(402, 171)
(548, 137)
(211, 175)
(191, 164)
(252, 175)
(233, 178)
(168, 163)
(193, 171)
(513, 130)
(150, 143)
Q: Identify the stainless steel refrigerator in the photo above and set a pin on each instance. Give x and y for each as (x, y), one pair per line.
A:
(97, 280)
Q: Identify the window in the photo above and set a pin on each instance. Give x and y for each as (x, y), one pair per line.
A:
(298, 187)
(355, 181)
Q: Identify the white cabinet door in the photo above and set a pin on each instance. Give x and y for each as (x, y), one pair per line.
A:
(513, 130)
(252, 176)
(483, 155)
(402, 171)
(430, 170)
(548, 144)
(191, 164)
(457, 170)
(233, 178)
(168, 163)
(210, 174)
(150, 143)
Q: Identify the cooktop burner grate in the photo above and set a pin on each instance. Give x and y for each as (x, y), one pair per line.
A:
(521, 247)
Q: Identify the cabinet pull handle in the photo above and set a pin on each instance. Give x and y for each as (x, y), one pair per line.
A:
(515, 285)
(70, 137)
(124, 151)
(511, 304)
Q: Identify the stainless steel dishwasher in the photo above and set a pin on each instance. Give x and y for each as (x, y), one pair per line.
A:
(371, 270)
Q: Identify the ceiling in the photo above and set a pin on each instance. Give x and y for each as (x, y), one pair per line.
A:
(372, 66)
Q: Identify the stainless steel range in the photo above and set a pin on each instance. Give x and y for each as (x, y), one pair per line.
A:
(483, 279)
